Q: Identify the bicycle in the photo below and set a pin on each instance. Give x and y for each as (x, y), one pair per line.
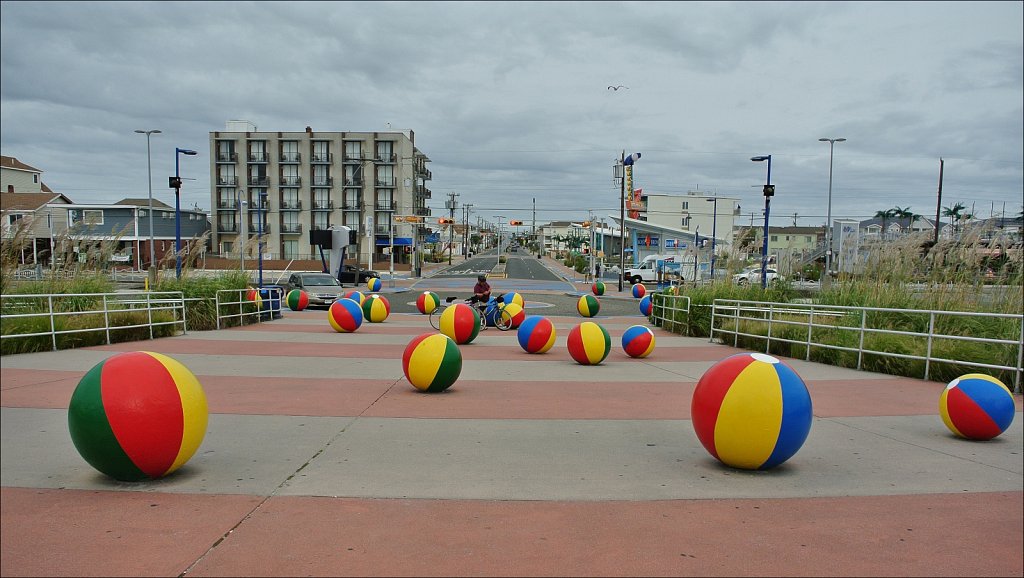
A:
(502, 318)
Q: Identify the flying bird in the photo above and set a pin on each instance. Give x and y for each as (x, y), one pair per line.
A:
(616, 88)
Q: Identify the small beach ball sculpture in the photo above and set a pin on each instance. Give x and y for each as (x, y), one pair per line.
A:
(254, 296)
(432, 362)
(976, 406)
(427, 302)
(373, 284)
(598, 288)
(589, 343)
(516, 313)
(513, 297)
(536, 334)
(588, 306)
(376, 308)
(460, 322)
(646, 306)
(297, 299)
(639, 290)
(345, 315)
(751, 411)
(357, 296)
(638, 341)
(138, 415)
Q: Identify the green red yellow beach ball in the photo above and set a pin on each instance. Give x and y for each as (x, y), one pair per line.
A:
(376, 308)
(427, 302)
(588, 306)
(138, 415)
(297, 299)
(588, 343)
(460, 322)
(432, 362)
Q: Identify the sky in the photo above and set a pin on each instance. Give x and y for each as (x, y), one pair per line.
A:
(511, 100)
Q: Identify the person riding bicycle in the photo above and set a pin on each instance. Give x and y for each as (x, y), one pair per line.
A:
(481, 291)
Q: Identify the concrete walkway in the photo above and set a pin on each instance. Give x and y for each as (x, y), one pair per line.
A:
(321, 459)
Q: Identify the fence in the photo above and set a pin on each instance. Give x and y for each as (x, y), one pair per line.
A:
(91, 312)
(670, 312)
(250, 309)
(930, 336)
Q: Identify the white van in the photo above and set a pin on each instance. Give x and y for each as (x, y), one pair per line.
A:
(647, 270)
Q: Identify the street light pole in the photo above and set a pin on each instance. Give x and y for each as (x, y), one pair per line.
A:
(259, 231)
(714, 233)
(828, 219)
(769, 192)
(177, 208)
(623, 163)
(149, 167)
(499, 217)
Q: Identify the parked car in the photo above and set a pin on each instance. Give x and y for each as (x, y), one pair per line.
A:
(356, 276)
(753, 275)
(323, 289)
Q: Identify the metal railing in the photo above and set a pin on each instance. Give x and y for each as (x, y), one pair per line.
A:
(824, 326)
(248, 311)
(93, 309)
(669, 311)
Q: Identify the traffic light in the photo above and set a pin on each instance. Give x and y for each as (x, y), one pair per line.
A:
(174, 182)
(769, 190)
(445, 221)
(515, 223)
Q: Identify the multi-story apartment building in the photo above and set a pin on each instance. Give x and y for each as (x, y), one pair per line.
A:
(692, 212)
(295, 182)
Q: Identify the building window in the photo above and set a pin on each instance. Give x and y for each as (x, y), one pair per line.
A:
(225, 247)
(385, 151)
(290, 151)
(775, 238)
(321, 220)
(685, 223)
(290, 249)
(353, 150)
(686, 205)
(86, 216)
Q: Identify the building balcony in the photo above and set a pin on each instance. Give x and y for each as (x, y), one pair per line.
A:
(323, 205)
(351, 159)
(422, 211)
(386, 158)
(259, 158)
(385, 182)
(323, 181)
(227, 157)
(254, 229)
(227, 228)
(259, 181)
(422, 190)
(385, 206)
(356, 182)
(291, 228)
(321, 158)
(353, 206)
(291, 157)
(230, 204)
(291, 205)
(252, 206)
(382, 229)
(291, 181)
(227, 181)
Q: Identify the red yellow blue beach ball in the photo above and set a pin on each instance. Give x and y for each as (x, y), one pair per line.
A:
(345, 315)
(357, 296)
(588, 306)
(427, 302)
(639, 290)
(138, 415)
(976, 406)
(598, 288)
(460, 322)
(515, 313)
(432, 362)
(588, 343)
(536, 334)
(751, 411)
(646, 306)
(297, 299)
(373, 284)
(513, 297)
(376, 308)
(638, 341)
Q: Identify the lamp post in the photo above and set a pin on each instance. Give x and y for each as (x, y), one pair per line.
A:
(149, 167)
(828, 219)
(714, 233)
(624, 162)
(259, 232)
(499, 217)
(769, 192)
(176, 184)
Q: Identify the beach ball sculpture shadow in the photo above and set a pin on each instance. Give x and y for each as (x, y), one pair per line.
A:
(345, 315)
(751, 411)
(427, 302)
(976, 406)
(432, 362)
(536, 334)
(138, 415)
(638, 341)
(376, 308)
(460, 322)
(297, 299)
(588, 343)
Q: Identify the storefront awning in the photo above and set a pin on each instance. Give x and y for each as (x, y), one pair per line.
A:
(398, 242)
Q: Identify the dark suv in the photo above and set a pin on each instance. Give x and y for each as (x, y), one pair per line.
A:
(352, 275)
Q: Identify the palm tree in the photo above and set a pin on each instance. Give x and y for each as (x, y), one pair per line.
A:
(903, 213)
(954, 214)
(886, 214)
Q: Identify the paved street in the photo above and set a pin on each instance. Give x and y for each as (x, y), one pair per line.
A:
(321, 459)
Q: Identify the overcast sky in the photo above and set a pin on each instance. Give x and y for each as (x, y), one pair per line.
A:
(510, 101)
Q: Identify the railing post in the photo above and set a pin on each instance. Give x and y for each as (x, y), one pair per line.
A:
(736, 332)
(771, 317)
(1020, 355)
(928, 351)
(810, 327)
(149, 312)
(860, 346)
(53, 325)
(106, 319)
(216, 304)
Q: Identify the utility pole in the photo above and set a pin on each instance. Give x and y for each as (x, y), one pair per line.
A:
(451, 230)
(938, 206)
(465, 230)
(533, 226)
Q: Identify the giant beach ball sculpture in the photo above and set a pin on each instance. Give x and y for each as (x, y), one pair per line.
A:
(646, 306)
(515, 313)
(254, 296)
(588, 343)
(976, 406)
(588, 306)
(373, 284)
(427, 302)
(345, 315)
(138, 415)
(376, 308)
(536, 334)
(513, 297)
(460, 322)
(432, 362)
(357, 296)
(751, 411)
(639, 290)
(297, 299)
(598, 288)
(638, 341)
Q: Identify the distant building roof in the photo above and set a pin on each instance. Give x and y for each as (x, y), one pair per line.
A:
(29, 201)
(144, 203)
(13, 163)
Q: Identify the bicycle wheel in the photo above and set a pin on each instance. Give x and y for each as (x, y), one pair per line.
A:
(435, 317)
(503, 321)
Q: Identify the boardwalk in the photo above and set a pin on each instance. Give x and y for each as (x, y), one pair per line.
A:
(321, 459)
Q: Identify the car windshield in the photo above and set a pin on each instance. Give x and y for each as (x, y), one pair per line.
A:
(319, 280)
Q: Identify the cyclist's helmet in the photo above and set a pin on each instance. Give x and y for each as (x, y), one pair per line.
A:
(481, 277)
